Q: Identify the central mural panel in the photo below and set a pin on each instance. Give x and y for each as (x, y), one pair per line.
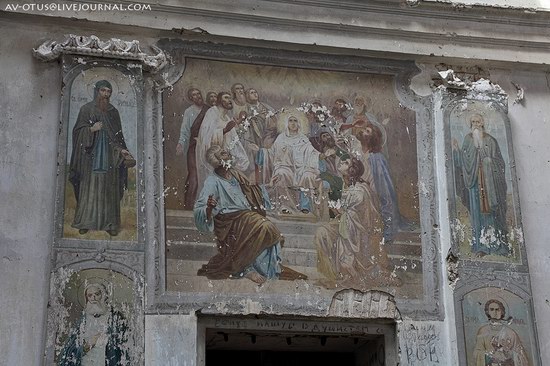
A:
(274, 175)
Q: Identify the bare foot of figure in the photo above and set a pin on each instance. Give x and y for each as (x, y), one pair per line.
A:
(255, 277)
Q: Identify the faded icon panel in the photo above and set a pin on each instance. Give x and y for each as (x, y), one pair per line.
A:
(100, 189)
(498, 329)
(275, 175)
(486, 223)
(100, 320)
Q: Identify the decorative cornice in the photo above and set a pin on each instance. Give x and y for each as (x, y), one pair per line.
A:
(93, 46)
(411, 35)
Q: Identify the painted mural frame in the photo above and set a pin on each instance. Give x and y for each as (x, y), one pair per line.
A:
(61, 276)
(477, 273)
(116, 254)
(495, 284)
(495, 103)
(72, 67)
(163, 301)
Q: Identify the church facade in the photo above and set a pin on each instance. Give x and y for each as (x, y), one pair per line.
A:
(274, 181)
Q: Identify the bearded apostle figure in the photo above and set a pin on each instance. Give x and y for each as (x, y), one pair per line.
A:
(99, 164)
(484, 195)
(249, 245)
(350, 246)
(219, 127)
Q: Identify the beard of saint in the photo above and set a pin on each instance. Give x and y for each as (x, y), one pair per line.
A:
(328, 144)
(240, 98)
(102, 103)
(478, 137)
(96, 309)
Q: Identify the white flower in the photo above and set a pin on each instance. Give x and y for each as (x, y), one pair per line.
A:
(335, 204)
(227, 164)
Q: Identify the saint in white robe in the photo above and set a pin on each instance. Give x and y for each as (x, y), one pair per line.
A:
(211, 133)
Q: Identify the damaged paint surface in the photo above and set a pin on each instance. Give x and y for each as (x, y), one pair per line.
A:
(337, 233)
(531, 5)
(95, 314)
(486, 265)
(484, 214)
(498, 328)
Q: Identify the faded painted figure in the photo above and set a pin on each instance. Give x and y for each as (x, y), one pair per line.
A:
(371, 138)
(483, 189)
(249, 245)
(350, 251)
(496, 343)
(190, 126)
(291, 166)
(98, 338)
(99, 164)
(219, 127)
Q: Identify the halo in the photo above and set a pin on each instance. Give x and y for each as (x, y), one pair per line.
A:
(382, 129)
(367, 100)
(470, 115)
(93, 280)
(285, 114)
(91, 87)
(380, 126)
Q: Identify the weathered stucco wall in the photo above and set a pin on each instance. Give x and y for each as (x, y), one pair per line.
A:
(531, 133)
(30, 112)
(29, 99)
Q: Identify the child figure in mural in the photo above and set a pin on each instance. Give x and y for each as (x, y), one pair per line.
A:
(481, 184)
(496, 343)
(349, 247)
(98, 338)
(99, 164)
(249, 245)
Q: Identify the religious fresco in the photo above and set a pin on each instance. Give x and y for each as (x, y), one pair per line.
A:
(485, 212)
(100, 188)
(498, 329)
(99, 320)
(276, 174)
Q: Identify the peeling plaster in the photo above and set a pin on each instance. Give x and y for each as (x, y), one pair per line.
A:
(524, 5)
(520, 94)
(452, 268)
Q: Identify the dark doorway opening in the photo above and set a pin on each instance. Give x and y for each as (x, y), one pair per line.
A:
(279, 358)
(244, 348)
